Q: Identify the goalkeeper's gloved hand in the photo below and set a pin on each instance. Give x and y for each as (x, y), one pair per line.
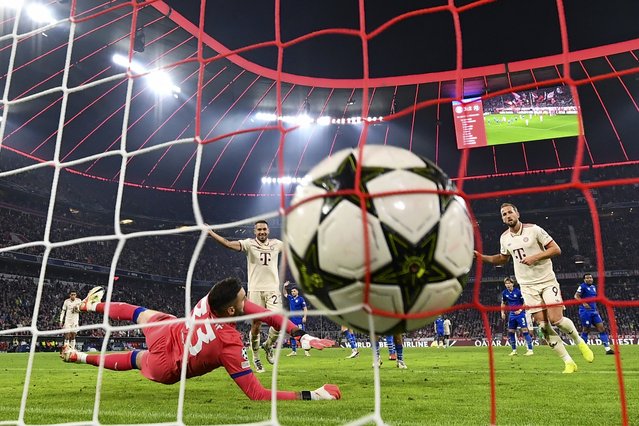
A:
(307, 341)
(326, 392)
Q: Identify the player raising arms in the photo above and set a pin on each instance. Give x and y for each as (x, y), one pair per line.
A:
(511, 296)
(262, 255)
(70, 318)
(588, 313)
(210, 346)
(532, 247)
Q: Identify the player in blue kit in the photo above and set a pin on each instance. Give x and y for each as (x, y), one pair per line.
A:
(439, 331)
(588, 313)
(397, 342)
(350, 338)
(392, 351)
(511, 296)
(296, 303)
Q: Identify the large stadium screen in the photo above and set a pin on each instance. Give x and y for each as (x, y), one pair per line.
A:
(530, 115)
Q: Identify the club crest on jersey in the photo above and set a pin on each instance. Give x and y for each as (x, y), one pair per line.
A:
(525, 239)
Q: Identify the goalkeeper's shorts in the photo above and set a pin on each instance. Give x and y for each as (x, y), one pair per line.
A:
(157, 363)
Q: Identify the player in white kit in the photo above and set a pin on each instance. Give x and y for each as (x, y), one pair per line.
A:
(70, 318)
(262, 255)
(531, 249)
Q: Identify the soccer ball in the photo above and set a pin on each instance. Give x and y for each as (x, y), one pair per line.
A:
(420, 243)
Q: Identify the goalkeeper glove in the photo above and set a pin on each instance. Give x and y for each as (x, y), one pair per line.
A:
(307, 341)
(326, 392)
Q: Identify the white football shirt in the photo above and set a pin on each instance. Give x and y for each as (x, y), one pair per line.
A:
(261, 261)
(70, 315)
(530, 240)
(447, 326)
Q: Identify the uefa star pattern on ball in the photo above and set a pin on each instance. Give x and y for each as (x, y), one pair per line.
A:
(420, 240)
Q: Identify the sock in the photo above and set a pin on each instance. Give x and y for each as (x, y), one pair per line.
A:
(390, 343)
(555, 342)
(447, 342)
(351, 339)
(400, 352)
(511, 339)
(118, 362)
(121, 311)
(376, 349)
(567, 326)
(584, 336)
(272, 336)
(293, 344)
(72, 343)
(255, 344)
(66, 342)
(528, 340)
(604, 340)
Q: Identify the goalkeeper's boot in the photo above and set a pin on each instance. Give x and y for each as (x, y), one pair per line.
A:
(93, 298)
(68, 354)
(269, 352)
(259, 368)
(401, 364)
(586, 352)
(392, 357)
(354, 354)
(571, 367)
(513, 353)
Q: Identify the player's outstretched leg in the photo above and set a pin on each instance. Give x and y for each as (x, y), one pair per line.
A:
(94, 297)
(557, 345)
(117, 310)
(121, 361)
(351, 342)
(567, 326)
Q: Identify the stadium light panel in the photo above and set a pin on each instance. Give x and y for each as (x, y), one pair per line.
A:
(158, 80)
(11, 4)
(324, 121)
(286, 180)
(40, 13)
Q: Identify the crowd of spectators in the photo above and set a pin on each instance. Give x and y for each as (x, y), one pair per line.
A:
(564, 214)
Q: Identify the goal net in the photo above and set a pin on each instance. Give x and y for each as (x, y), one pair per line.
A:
(130, 128)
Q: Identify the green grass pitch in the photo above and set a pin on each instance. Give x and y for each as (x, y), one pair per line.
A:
(440, 387)
(552, 127)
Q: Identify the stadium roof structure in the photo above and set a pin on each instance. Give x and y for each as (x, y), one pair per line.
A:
(215, 75)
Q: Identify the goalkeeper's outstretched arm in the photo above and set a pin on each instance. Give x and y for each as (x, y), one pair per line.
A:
(256, 392)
